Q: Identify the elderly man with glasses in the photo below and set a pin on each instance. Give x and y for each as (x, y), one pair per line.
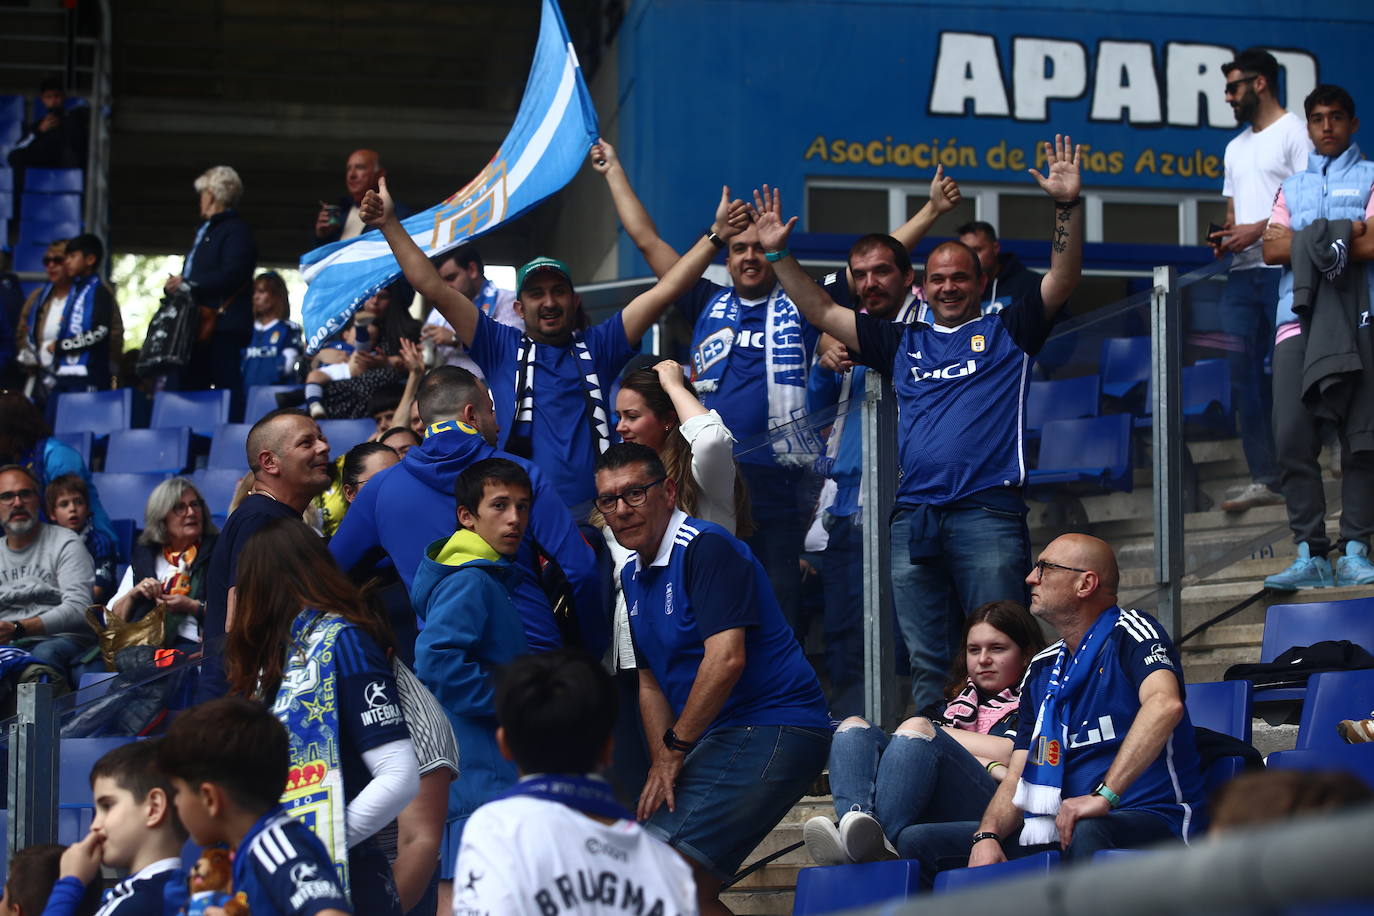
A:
(734, 715)
(45, 578)
(1105, 757)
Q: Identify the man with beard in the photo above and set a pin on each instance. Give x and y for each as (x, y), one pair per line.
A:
(549, 382)
(750, 358)
(289, 458)
(1273, 146)
(45, 577)
(961, 382)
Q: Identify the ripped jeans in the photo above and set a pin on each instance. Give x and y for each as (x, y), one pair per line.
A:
(906, 778)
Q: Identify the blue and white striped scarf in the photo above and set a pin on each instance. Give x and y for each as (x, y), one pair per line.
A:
(520, 441)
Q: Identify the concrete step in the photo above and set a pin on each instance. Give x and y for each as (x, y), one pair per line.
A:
(758, 903)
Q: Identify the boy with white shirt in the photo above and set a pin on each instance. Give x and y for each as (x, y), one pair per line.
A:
(135, 828)
(1273, 146)
(579, 850)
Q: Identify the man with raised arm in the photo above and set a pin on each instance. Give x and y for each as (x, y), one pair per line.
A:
(959, 536)
(549, 382)
(751, 353)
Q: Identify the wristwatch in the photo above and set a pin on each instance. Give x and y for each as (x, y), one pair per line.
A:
(1112, 798)
(674, 743)
(985, 835)
(18, 630)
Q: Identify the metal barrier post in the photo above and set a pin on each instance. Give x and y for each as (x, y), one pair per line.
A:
(33, 762)
(1166, 347)
(879, 490)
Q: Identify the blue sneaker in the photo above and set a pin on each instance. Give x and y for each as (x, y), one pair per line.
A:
(1354, 568)
(1306, 572)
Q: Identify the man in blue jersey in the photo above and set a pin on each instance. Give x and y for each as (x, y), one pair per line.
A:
(734, 715)
(959, 536)
(1105, 757)
(751, 352)
(406, 507)
(549, 382)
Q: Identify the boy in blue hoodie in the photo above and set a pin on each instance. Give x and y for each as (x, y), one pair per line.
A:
(463, 590)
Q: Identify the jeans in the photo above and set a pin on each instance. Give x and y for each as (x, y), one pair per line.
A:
(735, 786)
(842, 577)
(984, 556)
(903, 780)
(63, 653)
(943, 846)
(1247, 312)
(1298, 438)
(780, 525)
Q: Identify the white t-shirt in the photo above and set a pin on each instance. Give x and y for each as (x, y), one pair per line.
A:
(52, 326)
(531, 857)
(1256, 165)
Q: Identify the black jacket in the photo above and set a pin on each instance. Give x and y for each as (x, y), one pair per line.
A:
(222, 272)
(143, 563)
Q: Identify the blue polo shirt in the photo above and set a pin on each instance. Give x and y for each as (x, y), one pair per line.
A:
(263, 362)
(561, 435)
(961, 394)
(1171, 785)
(284, 869)
(704, 581)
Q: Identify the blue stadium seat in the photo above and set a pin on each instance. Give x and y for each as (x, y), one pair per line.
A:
(126, 495)
(1207, 396)
(1288, 625)
(96, 412)
(1067, 399)
(78, 755)
(227, 447)
(49, 208)
(6, 173)
(262, 400)
(344, 434)
(1352, 758)
(216, 486)
(841, 888)
(958, 879)
(6, 206)
(1125, 366)
(81, 441)
(148, 451)
(94, 684)
(1093, 450)
(1331, 697)
(203, 411)
(39, 235)
(54, 181)
(28, 256)
(125, 529)
(1222, 706)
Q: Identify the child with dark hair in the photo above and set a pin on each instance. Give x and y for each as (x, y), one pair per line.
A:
(556, 712)
(272, 351)
(228, 761)
(33, 872)
(68, 501)
(462, 590)
(136, 828)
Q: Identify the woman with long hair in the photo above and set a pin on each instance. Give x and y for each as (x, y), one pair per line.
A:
(943, 766)
(303, 639)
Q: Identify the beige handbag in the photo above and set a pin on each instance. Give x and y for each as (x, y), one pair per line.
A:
(115, 634)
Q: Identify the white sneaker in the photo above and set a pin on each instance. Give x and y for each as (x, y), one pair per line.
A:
(863, 839)
(823, 842)
(1250, 496)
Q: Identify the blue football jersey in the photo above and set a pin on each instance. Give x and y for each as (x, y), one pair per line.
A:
(264, 359)
(284, 870)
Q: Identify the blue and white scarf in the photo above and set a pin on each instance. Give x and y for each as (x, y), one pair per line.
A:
(520, 440)
(784, 359)
(1039, 791)
(307, 703)
(75, 332)
(587, 794)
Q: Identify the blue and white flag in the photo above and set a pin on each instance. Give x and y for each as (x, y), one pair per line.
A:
(553, 130)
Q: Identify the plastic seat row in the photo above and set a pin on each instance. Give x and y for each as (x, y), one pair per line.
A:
(102, 412)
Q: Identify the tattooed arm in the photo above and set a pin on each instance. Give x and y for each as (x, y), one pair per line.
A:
(1062, 184)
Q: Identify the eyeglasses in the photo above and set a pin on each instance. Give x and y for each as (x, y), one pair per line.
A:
(1233, 85)
(193, 505)
(52, 260)
(633, 496)
(1041, 565)
(24, 495)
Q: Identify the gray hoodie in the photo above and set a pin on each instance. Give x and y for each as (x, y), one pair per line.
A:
(51, 579)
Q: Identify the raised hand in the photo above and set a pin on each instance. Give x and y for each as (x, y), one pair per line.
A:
(1063, 182)
(670, 373)
(376, 206)
(944, 191)
(767, 213)
(732, 216)
(412, 356)
(603, 156)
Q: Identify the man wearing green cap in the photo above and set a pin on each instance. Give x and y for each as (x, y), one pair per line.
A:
(549, 383)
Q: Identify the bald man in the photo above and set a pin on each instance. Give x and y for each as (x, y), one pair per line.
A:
(289, 459)
(1104, 757)
(340, 220)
